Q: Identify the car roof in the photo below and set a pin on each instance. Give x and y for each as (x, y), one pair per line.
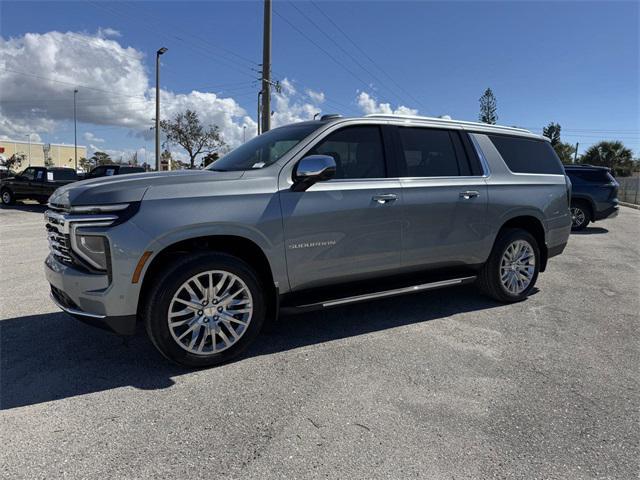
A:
(438, 122)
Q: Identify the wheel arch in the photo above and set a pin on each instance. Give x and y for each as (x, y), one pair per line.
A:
(535, 227)
(585, 200)
(234, 245)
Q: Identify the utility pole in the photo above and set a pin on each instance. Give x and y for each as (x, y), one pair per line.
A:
(75, 129)
(266, 68)
(259, 107)
(575, 154)
(158, 53)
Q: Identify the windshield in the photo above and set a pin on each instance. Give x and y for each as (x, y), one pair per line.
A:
(265, 149)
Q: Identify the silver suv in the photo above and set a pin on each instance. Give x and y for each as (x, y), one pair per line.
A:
(310, 215)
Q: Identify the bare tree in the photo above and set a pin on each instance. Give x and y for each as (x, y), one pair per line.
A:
(186, 130)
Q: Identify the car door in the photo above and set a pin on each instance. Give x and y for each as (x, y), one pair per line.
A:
(38, 185)
(347, 228)
(444, 196)
(21, 185)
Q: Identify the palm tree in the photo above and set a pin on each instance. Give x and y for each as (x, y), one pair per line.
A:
(611, 154)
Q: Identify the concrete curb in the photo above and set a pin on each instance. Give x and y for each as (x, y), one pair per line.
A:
(630, 205)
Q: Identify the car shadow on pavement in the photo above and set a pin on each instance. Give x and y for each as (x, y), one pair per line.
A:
(26, 207)
(591, 231)
(52, 356)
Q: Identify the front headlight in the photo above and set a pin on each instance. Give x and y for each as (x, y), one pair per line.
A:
(94, 249)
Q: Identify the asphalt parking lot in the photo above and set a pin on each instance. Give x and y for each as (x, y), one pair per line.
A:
(437, 385)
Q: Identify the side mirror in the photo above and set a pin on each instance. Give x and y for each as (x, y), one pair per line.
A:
(312, 169)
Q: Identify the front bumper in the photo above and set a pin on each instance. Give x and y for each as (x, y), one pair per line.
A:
(86, 297)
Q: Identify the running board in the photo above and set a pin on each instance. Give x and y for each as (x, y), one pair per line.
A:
(384, 294)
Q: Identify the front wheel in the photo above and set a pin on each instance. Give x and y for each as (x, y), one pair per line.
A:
(512, 269)
(7, 197)
(205, 309)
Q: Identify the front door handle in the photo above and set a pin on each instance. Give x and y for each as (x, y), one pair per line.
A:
(385, 198)
(469, 194)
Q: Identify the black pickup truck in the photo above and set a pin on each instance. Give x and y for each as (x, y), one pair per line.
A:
(35, 183)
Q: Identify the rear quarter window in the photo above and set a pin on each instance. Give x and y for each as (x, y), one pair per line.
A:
(525, 155)
(589, 176)
(64, 175)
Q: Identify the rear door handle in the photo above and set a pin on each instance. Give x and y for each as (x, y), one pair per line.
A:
(469, 194)
(385, 198)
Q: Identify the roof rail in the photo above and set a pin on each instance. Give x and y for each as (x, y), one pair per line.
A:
(445, 120)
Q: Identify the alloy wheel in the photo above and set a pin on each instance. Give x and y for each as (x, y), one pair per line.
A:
(210, 312)
(517, 267)
(577, 216)
(6, 197)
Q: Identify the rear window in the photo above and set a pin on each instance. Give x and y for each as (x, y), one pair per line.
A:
(590, 176)
(124, 170)
(66, 174)
(524, 155)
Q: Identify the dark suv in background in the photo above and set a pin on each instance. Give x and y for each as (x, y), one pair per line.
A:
(594, 194)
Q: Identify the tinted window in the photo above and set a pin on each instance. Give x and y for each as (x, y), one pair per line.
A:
(265, 149)
(590, 176)
(524, 155)
(65, 174)
(357, 151)
(124, 170)
(29, 174)
(428, 153)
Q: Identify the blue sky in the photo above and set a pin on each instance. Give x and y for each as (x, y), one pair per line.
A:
(576, 63)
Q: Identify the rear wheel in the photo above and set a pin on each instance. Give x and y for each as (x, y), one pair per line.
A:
(512, 269)
(580, 216)
(204, 310)
(7, 197)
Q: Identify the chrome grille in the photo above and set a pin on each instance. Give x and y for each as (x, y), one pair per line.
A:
(61, 228)
(59, 242)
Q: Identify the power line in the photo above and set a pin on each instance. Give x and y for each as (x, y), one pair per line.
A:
(199, 38)
(158, 30)
(70, 83)
(363, 52)
(338, 62)
(354, 59)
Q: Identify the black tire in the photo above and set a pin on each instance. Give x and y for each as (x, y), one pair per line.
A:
(7, 197)
(158, 302)
(580, 216)
(489, 280)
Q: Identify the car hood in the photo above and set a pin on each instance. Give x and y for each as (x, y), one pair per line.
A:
(130, 187)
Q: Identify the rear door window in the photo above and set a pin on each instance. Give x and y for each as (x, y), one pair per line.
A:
(429, 152)
(526, 155)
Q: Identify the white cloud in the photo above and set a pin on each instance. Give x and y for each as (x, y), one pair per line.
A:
(40, 71)
(317, 97)
(368, 104)
(108, 32)
(90, 137)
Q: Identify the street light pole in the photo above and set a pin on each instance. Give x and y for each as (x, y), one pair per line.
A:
(158, 53)
(244, 134)
(75, 129)
(29, 136)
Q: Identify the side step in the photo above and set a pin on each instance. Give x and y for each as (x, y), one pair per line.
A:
(383, 294)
